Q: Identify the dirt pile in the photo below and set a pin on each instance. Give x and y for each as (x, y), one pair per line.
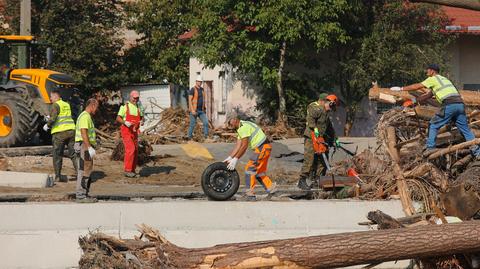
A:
(144, 151)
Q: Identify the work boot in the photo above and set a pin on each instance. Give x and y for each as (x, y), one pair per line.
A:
(302, 184)
(429, 151)
(130, 175)
(273, 188)
(249, 196)
(86, 200)
(62, 178)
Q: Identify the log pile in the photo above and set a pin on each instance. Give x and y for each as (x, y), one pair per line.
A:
(413, 237)
(172, 127)
(431, 179)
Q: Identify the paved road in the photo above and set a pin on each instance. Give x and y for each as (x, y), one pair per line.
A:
(292, 147)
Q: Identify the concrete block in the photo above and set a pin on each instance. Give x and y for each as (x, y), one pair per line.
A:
(25, 180)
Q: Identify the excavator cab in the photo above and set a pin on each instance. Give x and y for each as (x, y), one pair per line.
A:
(25, 92)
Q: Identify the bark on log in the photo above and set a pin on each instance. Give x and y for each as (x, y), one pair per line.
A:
(397, 171)
(330, 251)
(467, 4)
(471, 98)
(26, 151)
(451, 149)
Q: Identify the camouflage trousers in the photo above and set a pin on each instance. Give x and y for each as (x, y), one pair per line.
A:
(59, 141)
(313, 164)
(85, 167)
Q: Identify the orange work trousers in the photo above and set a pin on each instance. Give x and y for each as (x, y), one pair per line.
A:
(256, 168)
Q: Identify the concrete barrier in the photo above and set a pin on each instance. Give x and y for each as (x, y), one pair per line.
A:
(25, 180)
(48, 232)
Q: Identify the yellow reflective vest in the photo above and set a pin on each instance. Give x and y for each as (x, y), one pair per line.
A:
(64, 121)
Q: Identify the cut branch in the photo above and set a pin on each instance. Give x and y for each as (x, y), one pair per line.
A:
(451, 149)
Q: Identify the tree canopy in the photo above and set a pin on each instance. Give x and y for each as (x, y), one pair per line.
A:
(258, 38)
(159, 54)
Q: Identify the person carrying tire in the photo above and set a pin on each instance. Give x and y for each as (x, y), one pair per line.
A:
(251, 135)
(85, 142)
(62, 128)
(318, 125)
(130, 116)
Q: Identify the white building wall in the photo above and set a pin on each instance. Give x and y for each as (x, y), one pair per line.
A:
(228, 92)
(464, 60)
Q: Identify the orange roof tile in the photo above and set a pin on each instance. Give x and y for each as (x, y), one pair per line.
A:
(463, 20)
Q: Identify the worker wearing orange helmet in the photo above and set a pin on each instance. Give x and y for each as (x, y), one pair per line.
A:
(318, 125)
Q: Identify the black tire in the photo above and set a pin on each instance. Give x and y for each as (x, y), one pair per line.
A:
(219, 183)
(24, 120)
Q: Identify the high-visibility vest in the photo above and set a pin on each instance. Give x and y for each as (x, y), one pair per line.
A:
(92, 136)
(64, 121)
(195, 99)
(443, 89)
(257, 136)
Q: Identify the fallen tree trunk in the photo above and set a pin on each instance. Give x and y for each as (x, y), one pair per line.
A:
(325, 251)
(26, 151)
(471, 98)
(467, 4)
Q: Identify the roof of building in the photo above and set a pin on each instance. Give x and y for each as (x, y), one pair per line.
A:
(463, 20)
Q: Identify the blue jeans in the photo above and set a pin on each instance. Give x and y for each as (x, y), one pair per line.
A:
(193, 123)
(455, 113)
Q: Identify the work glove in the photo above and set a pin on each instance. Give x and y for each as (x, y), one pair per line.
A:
(91, 152)
(45, 127)
(316, 132)
(337, 142)
(227, 159)
(396, 89)
(232, 163)
(128, 124)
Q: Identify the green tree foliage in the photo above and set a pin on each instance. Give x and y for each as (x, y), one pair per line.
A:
(86, 38)
(261, 39)
(159, 53)
(390, 42)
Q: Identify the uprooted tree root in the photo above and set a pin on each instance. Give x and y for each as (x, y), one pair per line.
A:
(425, 179)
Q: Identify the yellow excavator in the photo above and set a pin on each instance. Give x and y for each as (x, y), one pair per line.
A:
(24, 93)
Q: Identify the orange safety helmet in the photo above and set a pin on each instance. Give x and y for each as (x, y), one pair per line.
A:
(332, 98)
(408, 103)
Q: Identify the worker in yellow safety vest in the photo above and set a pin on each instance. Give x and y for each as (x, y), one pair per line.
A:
(62, 127)
(250, 135)
(85, 142)
(452, 108)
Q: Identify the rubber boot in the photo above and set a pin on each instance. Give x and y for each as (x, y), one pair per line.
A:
(302, 183)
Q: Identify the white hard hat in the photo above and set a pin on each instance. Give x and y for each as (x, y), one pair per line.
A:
(199, 78)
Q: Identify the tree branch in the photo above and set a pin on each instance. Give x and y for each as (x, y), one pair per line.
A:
(467, 4)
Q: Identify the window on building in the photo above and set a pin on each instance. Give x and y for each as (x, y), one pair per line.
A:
(471, 87)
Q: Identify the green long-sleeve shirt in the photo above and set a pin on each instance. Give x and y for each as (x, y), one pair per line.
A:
(317, 117)
(54, 111)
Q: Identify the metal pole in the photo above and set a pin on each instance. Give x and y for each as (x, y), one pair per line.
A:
(25, 29)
